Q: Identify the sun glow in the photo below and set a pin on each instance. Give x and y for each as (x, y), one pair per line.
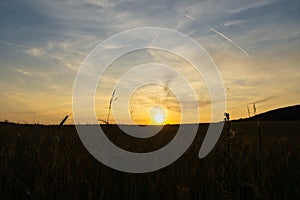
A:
(158, 115)
(159, 118)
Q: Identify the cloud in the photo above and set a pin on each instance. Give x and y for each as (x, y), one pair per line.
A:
(24, 72)
(234, 23)
(102, 3)
(247, 6)
(10, 44)
(35, 52)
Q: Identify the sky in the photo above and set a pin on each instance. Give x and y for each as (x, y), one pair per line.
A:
(254, 44)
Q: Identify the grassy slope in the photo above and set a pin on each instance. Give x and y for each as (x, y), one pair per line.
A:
(290, 113)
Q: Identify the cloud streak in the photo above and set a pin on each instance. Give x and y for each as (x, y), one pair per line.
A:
(10, 44)
(220, 34)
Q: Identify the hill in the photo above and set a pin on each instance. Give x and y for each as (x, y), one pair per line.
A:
(289, 113)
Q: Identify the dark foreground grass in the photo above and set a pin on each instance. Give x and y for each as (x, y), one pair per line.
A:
(39, 162)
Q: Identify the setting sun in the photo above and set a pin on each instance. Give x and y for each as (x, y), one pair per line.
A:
(158, 115)
(159, 118)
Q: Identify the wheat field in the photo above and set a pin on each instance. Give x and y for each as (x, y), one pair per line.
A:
(41, 162)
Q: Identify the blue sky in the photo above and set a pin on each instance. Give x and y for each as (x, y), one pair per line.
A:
(255, 45)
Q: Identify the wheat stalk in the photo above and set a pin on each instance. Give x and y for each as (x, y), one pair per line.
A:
(62, 122)
(112, 99)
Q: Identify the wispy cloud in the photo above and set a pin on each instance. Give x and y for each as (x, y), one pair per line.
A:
(251, 5)
(35, 52)
(234, 23)
(10, 44)
(24, 72)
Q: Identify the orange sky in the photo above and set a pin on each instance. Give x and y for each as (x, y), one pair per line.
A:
(255, 46)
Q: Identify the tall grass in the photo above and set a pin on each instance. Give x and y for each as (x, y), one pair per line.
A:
(37, 162)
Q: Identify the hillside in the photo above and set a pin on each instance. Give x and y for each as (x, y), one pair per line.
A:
(281, 114)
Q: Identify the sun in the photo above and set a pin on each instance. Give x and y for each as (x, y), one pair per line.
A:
(158, 115)
(159, 118)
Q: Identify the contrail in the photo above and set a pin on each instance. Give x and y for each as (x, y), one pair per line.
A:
(220, 34)
(190, 17)
(228, 39)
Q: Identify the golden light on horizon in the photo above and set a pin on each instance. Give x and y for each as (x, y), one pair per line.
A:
(158, 115)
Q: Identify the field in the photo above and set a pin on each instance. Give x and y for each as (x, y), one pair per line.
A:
(42, 162)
